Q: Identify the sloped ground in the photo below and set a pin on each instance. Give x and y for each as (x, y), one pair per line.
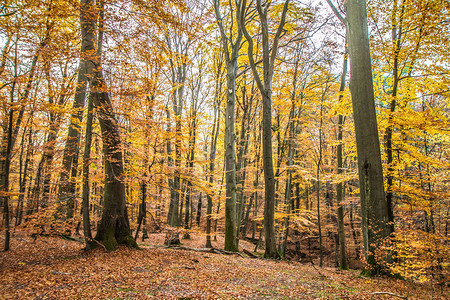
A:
(52, 268)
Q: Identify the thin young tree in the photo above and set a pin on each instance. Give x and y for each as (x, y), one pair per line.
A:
(339, 187)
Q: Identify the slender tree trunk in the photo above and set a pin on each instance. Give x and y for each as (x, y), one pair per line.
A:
(319, 162)
(6, 149)
(142, 211)
(230, 143)
(265, 86)
(242, 161)
(86, 163)
(396, 42)
(16, 126)
(170, 164)
(67, 177)
(354, 234)
(339, 192)
(23, 182)
(54, 125)
(212, 157)
(318, 214)
(218, 205)
(178, 78)
(5, 180)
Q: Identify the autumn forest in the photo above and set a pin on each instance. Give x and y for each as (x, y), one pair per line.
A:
(312, 131)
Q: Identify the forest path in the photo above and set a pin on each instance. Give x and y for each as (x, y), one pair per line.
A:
(52, 268)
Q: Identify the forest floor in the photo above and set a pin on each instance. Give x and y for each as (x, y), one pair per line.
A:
(54, 268)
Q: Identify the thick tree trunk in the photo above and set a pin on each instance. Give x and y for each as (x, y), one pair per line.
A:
(114, 228)
(373, 202)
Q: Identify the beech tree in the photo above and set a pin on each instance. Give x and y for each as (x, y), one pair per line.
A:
(114, 227)
(374, 209)
(230, 41)
(269, 54)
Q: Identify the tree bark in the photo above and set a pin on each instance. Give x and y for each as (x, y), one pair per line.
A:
(339, 192)
(373, 202)
(66, 194)
(396, 43)
(212, 158)
(114, 228)
(269, 53)
(230, 137)
(86, 163)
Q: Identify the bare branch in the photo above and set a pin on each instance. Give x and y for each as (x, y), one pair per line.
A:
(336, 12)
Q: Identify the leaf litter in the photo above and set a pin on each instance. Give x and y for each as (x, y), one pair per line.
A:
(54, 268)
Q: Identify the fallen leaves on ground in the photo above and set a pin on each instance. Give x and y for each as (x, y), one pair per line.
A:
(53, 268)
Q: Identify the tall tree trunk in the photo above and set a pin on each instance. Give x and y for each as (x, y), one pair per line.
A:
(23, 181)
(269, 53)
(288, 187)
(374, 209)
(242, 161)
(319, 162)
(50, 144)
(178, 69)
(142, 211)
(230, 159)
(396, 43)
(230, 143)
(86, 163)
(5, 178)
(212, 157)
(170, 164)
(114, 228)
(67, 177)
(339, 154)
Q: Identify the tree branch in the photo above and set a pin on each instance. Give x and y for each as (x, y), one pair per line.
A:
(336, 12)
